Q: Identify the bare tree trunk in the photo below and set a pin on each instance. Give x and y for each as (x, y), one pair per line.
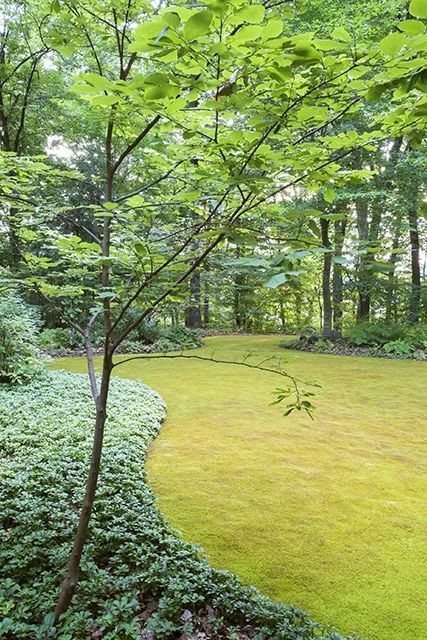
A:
(194, 316)
(337, 298)
(326, 280)
(73, 567)
(415, 298)
(282, 314)
(363, 279)
(391, 278)
(206, 309)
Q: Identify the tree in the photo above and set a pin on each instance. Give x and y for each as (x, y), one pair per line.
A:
(206, 119)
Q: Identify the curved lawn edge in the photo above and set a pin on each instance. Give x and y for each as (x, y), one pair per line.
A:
(139, 578)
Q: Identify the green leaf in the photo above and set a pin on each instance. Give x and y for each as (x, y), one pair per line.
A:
(198, 24)
(276, 281)
(172, 19)
(106, 101)
(418, 8)
(247, 34)
(252, 13)
(150, 29)
(140, 248)
(341, 260)
(94, 79)
(272, 29)
(341, 34)
(412, 27)
(392, 44)
(329, 195)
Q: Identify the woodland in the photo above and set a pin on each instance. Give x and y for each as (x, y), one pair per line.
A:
(213, 319)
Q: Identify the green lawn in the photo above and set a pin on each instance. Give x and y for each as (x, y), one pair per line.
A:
(329, 515)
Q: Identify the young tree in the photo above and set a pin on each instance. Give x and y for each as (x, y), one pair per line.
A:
(210, 116)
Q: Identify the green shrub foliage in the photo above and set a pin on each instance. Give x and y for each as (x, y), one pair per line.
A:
(150, 338)
(139, 579)
(375, 333)
(59, 338)
(395, 339)
(19, 354)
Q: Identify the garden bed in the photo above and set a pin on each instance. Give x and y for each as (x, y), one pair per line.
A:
(139, 579)
(342, 347)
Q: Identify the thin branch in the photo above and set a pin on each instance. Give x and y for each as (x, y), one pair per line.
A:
(244, 363)
(150, 184)
(135, 143)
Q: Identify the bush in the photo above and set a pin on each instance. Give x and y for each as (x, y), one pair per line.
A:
(59, 338)
(375, 333)
(417, 336)
(398, 348)
(139, 580)
(19, 354)
(148, 332)
(181, 337)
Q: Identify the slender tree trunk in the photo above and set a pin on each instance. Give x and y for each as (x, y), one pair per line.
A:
(194, 316)
(282, 314)
(391, 277)
(415, 298)
(337, 297)
(206, 309)
(73, 567)
(363, 277)
(326, 280)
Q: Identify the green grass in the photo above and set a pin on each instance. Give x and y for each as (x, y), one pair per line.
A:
(328, 515)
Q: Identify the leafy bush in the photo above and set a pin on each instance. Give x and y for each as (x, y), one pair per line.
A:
(375, 333)
(139, 580)
(393, 339)
(19, 354)
(148, 332)
(164, 344)
(59, 338)
(398, 348)
(417, 336)
(181, 337)
(323, 345)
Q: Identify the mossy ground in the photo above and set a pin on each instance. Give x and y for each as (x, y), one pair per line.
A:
(328, 515)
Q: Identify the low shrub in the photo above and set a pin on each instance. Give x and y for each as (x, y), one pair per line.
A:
(139, 580)
(181, 337)
(398, 348)
(393, 339)
(375, 333)
(149, 332)
(149, 339)
(59, 338)
(417, 335)
(20, 359)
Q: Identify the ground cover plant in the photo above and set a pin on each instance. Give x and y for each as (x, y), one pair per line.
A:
(373, 339)
(151, 338)
(139, 580)
(328, 515)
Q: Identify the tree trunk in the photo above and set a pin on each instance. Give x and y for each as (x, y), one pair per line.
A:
(206, 310)
(391, 277)
(363, 279)
(326, 280)
(73, 568)
(282, 314)
(194, 316)
(337, 298)
(415, 298)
